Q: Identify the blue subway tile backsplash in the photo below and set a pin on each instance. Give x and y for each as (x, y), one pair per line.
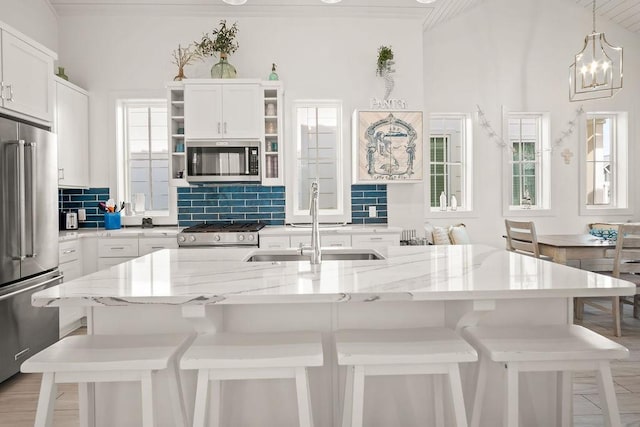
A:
(230, 203)
(363, 196)
(72, 199)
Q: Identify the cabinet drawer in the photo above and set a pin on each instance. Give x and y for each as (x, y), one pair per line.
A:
(71, 270)
(68, 251)
(274, 242)
(371, 241)
(335, 241)
(305, 240)
(146, 245)
(118, 247)
(110, 262)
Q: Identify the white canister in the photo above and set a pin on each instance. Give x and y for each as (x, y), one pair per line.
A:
(443, 202)
(271, 109)
(139, 203)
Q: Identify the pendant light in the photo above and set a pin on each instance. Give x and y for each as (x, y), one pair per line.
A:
(596, 71)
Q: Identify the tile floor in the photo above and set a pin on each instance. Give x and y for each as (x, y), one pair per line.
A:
(19, 394)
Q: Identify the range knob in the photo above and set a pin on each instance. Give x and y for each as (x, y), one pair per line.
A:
(251, 237)
(192, 238)
(241, 237)
(182, 239)
(216, 237)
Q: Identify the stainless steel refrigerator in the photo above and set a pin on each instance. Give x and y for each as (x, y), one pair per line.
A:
(28, 241)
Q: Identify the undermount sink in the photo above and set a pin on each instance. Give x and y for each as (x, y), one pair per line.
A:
(327, 255)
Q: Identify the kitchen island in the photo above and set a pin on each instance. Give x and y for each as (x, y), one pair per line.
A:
(215, 289)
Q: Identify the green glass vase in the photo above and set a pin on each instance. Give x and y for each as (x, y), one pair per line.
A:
(223, 70)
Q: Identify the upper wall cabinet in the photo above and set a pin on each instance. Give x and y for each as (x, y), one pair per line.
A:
(72, 127)
(215, 109)
(27, 78)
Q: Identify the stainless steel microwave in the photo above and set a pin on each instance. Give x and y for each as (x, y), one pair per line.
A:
(223, 161)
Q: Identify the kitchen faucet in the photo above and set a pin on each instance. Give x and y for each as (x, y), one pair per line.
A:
(313, 251)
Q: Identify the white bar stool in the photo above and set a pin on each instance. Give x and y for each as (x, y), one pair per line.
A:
(424, 351)
(242, 356)
(89, 359)
(557, 348)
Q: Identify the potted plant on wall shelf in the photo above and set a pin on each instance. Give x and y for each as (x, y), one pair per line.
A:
(384, 70)
(222, 41)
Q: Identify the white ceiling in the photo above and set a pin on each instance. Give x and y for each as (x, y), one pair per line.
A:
(623, 12)
(430, 14)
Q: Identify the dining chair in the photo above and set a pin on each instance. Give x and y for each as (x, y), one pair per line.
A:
(626, 266)
(522, 238)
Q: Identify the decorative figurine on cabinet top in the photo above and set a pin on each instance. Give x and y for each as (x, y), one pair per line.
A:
(273, 75)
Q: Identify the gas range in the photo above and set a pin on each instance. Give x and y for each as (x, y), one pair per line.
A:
(234, 234)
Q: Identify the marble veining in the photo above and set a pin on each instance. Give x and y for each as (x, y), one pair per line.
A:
(411, 273)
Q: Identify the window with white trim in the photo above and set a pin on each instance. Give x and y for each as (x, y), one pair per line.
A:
(529, 163)
(143, 157)
(316, 151)
(605, 177)
(450, 164)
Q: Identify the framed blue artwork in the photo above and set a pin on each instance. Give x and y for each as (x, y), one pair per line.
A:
(388, 146)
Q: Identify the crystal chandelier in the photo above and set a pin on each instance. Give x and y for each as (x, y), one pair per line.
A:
(596, 71)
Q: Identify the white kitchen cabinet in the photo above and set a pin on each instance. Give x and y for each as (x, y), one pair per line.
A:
(27, 77)
(70, 257)
(375, 240)
(326, 241)
(117, 247)
(223, 110)
(274, 242)
(146, 245)
(71, 124)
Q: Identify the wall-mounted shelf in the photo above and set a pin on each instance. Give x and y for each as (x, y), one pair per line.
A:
(272, 159)
(177, 162)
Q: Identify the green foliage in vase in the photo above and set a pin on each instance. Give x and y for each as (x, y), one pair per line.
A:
(385, 54)
(222, 39)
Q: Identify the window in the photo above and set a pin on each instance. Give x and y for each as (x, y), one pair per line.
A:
(605, 178)
(316, 151)
(450, 160)
(529, 161)
(144, 157)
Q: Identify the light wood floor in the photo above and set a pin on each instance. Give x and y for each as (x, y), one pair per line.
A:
(19, 394)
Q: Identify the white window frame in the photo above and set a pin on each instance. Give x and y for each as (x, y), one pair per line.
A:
(465, 206)
(159, 217)
(621, 170)
(543, 178)
(342, 214)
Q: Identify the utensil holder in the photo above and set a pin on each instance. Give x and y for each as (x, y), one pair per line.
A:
(112, 221)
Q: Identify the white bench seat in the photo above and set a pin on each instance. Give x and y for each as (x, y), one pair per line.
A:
(242, 356)
(556, 348)
(89, 359)
(420, 351)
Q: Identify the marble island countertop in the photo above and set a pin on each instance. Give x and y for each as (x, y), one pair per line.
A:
(220, 276)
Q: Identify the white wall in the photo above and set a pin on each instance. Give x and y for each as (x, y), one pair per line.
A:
(35, 18)
(319, 58)
(516, 54)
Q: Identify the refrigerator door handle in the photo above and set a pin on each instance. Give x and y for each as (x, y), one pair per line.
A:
(37, 285)
(33, 192)
(21, 198)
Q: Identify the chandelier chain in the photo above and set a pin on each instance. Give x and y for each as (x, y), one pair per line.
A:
(594, 16)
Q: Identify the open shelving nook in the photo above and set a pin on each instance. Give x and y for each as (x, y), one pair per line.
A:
(271, 151)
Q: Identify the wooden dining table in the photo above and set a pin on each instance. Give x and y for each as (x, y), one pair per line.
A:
(582, 251)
